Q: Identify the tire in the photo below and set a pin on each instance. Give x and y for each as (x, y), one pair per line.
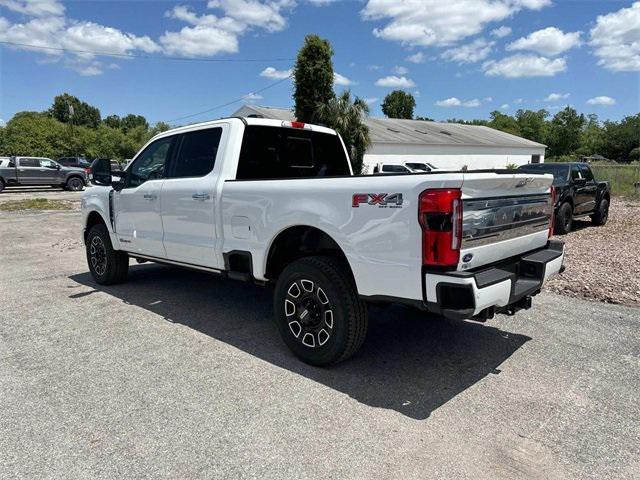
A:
(602, 214)
(75, 184)
(107, 266)
(564, 219)
(1, 185)
(318, 311)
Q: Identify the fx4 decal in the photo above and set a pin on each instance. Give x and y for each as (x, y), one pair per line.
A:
(382, 200)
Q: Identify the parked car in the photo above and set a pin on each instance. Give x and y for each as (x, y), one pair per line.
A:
(276, 203)
(21, 171)
(77, 162)
(578, 193)
(421, 166)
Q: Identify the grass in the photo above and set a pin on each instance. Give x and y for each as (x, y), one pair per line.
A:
(35, 204)
(622, 178)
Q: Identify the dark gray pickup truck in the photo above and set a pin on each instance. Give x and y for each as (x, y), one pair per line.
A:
(19, 171)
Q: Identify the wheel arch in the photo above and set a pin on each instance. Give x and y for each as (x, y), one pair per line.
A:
(298, 241)
(94, 218)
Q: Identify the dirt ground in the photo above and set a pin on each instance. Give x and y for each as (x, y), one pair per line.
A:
(602, 262)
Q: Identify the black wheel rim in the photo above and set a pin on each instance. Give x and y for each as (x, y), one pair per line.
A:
(75, 184)
(567, 223)
(308, 313)
(605, 213)
(98, 255)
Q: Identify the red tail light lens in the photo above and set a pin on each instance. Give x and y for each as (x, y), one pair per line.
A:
(552, 217)
(87, 170)
(440, 215)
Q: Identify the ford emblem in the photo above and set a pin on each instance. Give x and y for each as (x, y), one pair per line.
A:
(467, 258)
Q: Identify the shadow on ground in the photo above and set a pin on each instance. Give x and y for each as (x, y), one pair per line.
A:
(410, 363)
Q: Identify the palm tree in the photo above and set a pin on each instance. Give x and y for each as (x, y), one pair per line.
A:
(347, 118)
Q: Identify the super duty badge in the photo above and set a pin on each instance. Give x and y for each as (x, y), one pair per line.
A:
(382, 200)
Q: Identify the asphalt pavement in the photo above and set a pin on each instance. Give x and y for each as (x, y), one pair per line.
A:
(178, 374)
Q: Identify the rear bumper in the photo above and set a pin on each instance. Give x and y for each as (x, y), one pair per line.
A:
(504, 287)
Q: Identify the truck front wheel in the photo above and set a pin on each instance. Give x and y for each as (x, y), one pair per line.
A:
(75, 184)
(107, 266)
(318, 311)
(602, 214)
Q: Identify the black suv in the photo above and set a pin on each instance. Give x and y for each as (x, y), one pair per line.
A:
(77, 162)
(578, 193)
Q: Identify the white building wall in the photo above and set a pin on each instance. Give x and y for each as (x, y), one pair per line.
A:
(452, 158)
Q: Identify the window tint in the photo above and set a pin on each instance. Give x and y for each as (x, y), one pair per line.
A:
(150, 164)
(197, 155)
(29, 162)
(575, 172)
(45, 163)
(394, 169)
(274, 152)
(586, 173)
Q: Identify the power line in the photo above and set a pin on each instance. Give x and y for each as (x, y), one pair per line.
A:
(229, 103)
(152, 57)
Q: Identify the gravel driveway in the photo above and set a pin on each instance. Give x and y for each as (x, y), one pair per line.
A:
(603, 263)
(177, 374)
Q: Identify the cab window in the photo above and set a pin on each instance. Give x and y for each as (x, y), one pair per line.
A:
(575, 173)
(586, 173)
(197, 155)
(29, 162)
(150, 163)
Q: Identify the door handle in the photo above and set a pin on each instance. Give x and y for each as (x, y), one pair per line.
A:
(201, 196)
(149, 196)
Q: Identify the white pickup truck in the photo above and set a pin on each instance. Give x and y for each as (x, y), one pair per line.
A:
(276, 203)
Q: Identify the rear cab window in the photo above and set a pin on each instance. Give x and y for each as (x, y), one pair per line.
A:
(280, 153)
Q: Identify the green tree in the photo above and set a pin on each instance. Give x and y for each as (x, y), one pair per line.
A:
(113, 121)
(33, 133)
(505, 123)
(132, 121)
(69, 109)
(347, 117)
(592, 137)
(532, 125)
(313, 77)
(621, 138)
(399, 104)
(565, 132)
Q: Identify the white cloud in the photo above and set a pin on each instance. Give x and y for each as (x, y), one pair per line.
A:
(616, 39)
(504, 106)
(265, 15)
(400, 70)
(371, 101)
(439, 23)
(417, 57)
(548, 41)
(501, 32)
(456, 102)
(487, 99)
(321, 3)
(274, 74)
(252, 97)
(518, 101)
(603, 100)
(342, 80)
(35, 8)
(394, 81)
(373, 68)
(473, 52)
(518, 66)
(554, 97)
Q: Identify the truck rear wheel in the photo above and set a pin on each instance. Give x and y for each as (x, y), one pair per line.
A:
(318, 311)
(564, 219)
(602, 215)
(75, 184)
(107, 266)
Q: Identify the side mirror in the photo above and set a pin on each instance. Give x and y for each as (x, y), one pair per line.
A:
(58, 167)
(101, 172)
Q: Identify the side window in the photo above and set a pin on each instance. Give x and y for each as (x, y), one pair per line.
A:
(46, 163)
(394, 169)
(586, 173)
(197, 155)
(150, 164)
(575, 173)
(298, 152)
(535, 158)
(29, 162)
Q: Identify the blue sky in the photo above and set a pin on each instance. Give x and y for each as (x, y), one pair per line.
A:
(460, 58)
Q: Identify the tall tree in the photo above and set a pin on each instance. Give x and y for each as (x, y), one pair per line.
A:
(112, 121)
(69, 109)
(565, 132)
(347, 117)
(313, 77)
(532, 125)
(505, 123)
(132, 121)
(399, 104)
(621, 138)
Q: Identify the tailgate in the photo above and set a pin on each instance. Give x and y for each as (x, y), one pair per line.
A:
(503, 215)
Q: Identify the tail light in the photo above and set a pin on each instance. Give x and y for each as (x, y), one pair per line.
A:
(87, 170)
(440, 215)
(552, 217)
(295, 124)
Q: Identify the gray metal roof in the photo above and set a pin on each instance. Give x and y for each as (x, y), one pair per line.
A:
(415, 132)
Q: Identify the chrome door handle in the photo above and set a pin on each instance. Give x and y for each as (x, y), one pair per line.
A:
(149, 196)
(201, 196)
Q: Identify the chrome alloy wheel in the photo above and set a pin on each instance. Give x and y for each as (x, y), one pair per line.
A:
(308, 313)
(98, 255)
